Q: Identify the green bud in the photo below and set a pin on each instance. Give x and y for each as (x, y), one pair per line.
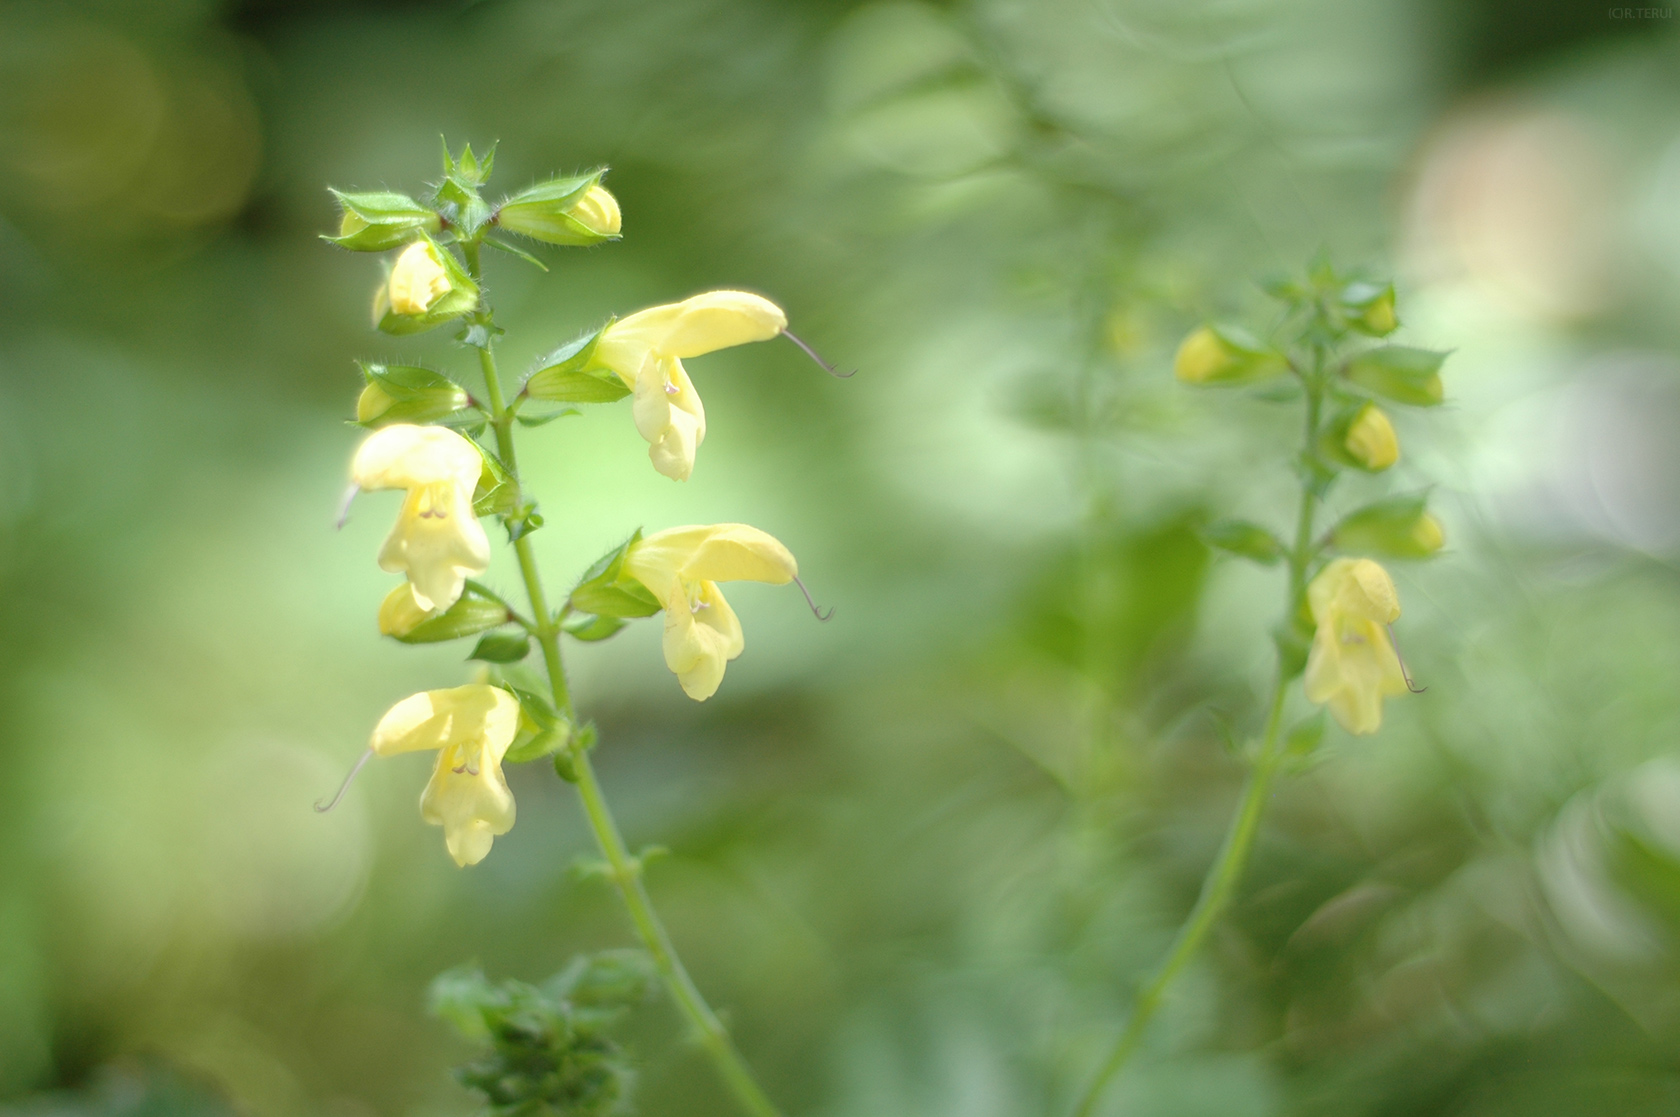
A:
(1369, 308)
(1399, 373)
(576, 210)
(1361, 436)
(1239, 537)
(1225, 355)
(406, 394)
(1399, 527)
(377, 222)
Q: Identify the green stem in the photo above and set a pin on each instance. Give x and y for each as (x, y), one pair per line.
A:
(626, 870)
(1227, 869)
(1217, 887)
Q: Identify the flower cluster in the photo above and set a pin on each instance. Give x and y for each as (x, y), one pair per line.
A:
(1342, 602)
(452, 457)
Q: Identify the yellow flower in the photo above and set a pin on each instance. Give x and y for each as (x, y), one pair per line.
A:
(1225, 355)
(471, 727)
(417, 280)
(1353, 665)
(437, 541)
(646, 351)
(400, 614)
(1371, 441)
(681, 567)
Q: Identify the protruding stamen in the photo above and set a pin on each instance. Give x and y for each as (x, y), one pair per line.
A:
(344, 506)
(812, 353)
(345, 786)
(1411, 686)
(815, 612)
(466, 769)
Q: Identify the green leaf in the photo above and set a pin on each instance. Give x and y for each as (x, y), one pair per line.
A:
(1248, 540)
(544, 420)
(583, 626)
(537, 708)
(511, 250)
(467, 617)
(502, 647)
(1399, 373)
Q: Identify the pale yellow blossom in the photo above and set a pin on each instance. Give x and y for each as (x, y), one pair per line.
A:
(1353, 665)
(437, 540)
(417, 280)
(646, 351)
(471, 727)
(681, 567)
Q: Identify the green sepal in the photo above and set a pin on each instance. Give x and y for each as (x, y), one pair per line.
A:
(1248, 540)
(606, 591)
(377, 221)
(406, 394)
(590, 628)
(497, 493)
(544, 211)
(458, 198)
(546, 743)
(564, 376)
(1395, 527)
(469, 616)
(461, 298)
(502, 647)
(1303, 740)
(1399, 373)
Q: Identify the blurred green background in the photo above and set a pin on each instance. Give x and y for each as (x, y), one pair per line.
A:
(923, 853)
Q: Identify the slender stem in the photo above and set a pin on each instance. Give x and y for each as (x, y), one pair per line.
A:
(1227, 869)
(1217, 887)
(625, 869)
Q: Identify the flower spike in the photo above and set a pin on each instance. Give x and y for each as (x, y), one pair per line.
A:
(832, 370)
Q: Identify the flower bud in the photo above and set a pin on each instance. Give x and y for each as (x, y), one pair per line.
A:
(1370, 309)
(1370, 441)
(1399, 527)
(427, 287)
(1222, 355)
(377, 222)
(406, 394)
(402, 618)
(575, 211)
(1399, 373)
(417, 279)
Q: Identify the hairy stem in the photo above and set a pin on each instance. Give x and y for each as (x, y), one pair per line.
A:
(1227, 869)
(624, 869)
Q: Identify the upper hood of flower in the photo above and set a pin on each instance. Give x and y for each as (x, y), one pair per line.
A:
(709, 553)
(1350, 587)
(702, 324)
(402, 456)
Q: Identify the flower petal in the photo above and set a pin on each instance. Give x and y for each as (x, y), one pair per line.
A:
(439, 719)
(403, 455)
(699, 642)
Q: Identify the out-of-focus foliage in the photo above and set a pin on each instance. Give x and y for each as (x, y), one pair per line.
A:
(921, 854)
